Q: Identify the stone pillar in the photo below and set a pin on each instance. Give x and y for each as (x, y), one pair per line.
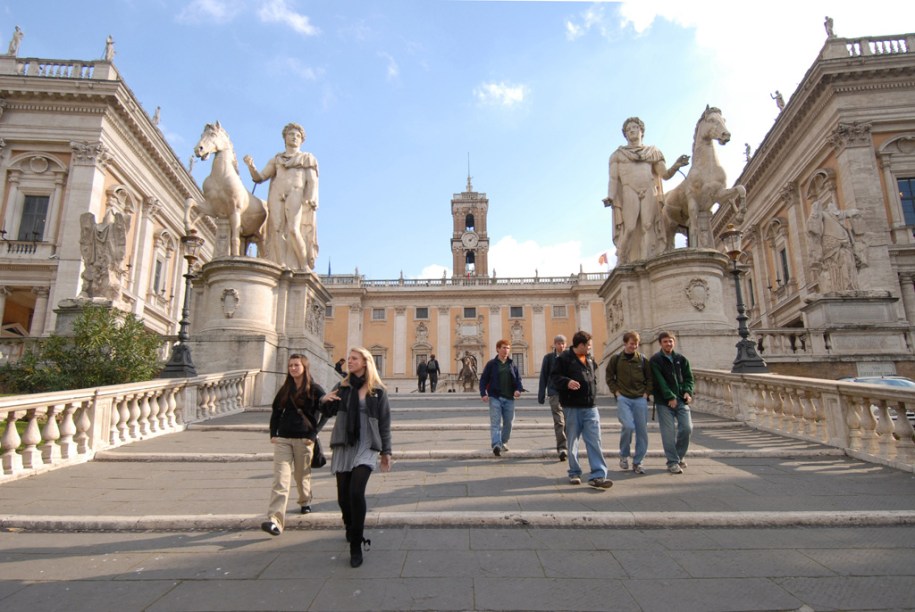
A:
(141, 258)
(400, 340)
(13, 208)
(495, 328)
(354, 326)
(539, 342)
(4, 293)
(907, 283)
(41, 311)
(443, 340)
(583, 311)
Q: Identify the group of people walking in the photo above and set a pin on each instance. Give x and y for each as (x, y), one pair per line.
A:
(568, 380)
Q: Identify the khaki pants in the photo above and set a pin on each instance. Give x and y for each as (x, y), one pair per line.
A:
(291, 458)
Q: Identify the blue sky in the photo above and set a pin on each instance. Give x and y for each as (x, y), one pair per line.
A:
(395, 94)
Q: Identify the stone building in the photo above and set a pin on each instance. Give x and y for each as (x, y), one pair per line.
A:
(829, 234)
(403, 321)
(75, 140)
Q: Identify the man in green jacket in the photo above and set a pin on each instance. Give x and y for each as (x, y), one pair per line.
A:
(673, 393)
(629, 379)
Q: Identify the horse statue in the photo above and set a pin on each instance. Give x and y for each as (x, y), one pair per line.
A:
(225, 196)
(468, 374)
(689, 204)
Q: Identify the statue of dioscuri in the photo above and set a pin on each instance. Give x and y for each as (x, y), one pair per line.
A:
(102, 246)
(292, 202)
(225, 196)
(635, 193)
(704, 186)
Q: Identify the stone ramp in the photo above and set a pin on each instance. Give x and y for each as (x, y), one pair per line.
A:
(217, 475)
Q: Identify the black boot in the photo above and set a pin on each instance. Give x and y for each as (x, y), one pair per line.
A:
(355, 547)
(349, 534)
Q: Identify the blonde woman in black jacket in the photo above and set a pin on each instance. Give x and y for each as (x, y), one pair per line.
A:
(362, 433)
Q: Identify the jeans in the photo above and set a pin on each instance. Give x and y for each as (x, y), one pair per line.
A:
(584, 423)
(559, 423)
(501, 415)
(633, 415)
(674, 436)
(433, 381)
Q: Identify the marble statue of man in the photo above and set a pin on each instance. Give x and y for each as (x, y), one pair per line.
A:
(635, 193)
(291, 202)
(14, 43)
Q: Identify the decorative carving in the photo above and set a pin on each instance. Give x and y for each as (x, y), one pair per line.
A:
(615, 315)
(152, 207)
(789, 194)
(90, 153)
(103, 246)
(697, 293)
(38, 164)
(422, 334)
(854, 134)
(229, 299)
(832, 249)
(517, 333)
(314, 317)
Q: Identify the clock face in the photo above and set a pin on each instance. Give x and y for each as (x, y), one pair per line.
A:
(470, 240)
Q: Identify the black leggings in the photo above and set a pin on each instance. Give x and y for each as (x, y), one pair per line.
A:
(351, 495)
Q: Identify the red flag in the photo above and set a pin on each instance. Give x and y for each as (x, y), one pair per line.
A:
(602, 259)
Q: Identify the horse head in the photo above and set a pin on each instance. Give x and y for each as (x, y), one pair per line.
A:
(711, 126)
(213, 140)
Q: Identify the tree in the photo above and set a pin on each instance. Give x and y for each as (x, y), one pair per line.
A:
(108, 347)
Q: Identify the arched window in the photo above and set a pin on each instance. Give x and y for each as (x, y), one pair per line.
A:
(468, 222)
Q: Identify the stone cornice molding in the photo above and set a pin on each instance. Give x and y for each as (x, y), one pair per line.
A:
(849, 135)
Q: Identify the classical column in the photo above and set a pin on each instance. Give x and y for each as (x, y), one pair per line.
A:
(495, 328)
(400, 340)
(41, 311)
(907, 284)
(797, 250)
(443, 339)
(539, 341)
(353, 327)
(4, 292)
(583, 314)
(13, 208)
(144, 251)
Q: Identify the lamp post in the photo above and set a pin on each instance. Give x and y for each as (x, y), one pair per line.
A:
(748, 360)
(180, 364)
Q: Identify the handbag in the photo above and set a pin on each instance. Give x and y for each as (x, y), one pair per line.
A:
(318, 459)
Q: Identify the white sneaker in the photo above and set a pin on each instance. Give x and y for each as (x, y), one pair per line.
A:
(674, 468)
(624, 463)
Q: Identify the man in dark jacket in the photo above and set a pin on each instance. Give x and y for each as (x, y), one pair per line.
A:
(433, 370)
(673, 392)
(547, 390)
(573, 376)
(500, 386)
(422, 371)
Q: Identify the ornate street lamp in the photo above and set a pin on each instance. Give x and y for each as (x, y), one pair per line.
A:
(180, 364)
(748, 360)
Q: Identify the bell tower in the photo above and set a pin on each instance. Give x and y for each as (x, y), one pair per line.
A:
(469, 240)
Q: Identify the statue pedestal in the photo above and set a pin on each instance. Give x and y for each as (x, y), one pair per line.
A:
(855, 323)
(68, 311)
(250, 313)
(683, 291)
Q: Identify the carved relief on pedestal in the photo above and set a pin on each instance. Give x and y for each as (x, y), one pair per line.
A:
(314, 317)
(697, 293)
(615, 315)
(229, 299)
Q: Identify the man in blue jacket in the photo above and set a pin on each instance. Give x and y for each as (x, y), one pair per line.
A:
(500, 385)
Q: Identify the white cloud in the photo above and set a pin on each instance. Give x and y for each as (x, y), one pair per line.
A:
(510, 258)
(591, 18)
(435, 271)
(500, 94)
(393, 70)
(301, 70)
(209, 11)
(279, 11)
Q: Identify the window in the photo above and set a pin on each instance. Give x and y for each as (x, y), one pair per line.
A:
(750, 292)
(468, 222)
(379, 363)
(518, 360)
(329, 311)
(158, 285)
(559, 312)
(34, 215)
(378, 314)
(783, 258)
(422, 312)
(907, 198)
(516, 312)
(470, 313)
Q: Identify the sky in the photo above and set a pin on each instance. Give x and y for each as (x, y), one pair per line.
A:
(402, 99)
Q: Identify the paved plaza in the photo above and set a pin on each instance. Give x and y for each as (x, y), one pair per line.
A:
(756, 522)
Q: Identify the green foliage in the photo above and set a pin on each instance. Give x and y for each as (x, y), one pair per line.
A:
(107, 347)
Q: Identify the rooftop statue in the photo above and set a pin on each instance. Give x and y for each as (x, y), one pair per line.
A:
(704, 186)
(292, 234)
(225, 196)
(14, 43)
(635, 193)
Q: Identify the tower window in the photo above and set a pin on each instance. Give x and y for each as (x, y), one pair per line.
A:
(468, 221)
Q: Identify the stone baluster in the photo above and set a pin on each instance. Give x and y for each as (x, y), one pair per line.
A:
(885, 428)
(83, 426)
(905, 436)
(761, 405)
(123, 418)
(161, 400)
(133, 422)
(790, 408)
(50, 435)
(776, 411)
(868, 427)
(144, 427)
(31, 437)
(808, 415)
(853, 423)
(67, 444)
(221, 404)
(9, 443)
(172, 412)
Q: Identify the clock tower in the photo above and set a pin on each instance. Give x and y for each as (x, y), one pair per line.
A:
(469, 240)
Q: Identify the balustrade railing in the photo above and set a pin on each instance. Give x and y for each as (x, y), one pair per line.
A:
(472, 281)
(869, 422)
(67, 427)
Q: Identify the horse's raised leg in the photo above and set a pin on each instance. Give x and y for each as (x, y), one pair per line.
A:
(235, 233)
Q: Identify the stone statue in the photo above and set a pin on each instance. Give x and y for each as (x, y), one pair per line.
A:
(831, 249)
(828, 25)
(14, 43)
(779, 100)
(109, 49)
(746, 151)
(292, 235)
(635, 193)
(468, 373)
(689, 204)
(157, 115)
(103, 246)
